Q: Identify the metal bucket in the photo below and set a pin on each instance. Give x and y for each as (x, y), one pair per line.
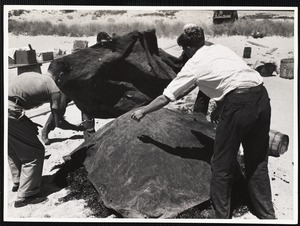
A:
(287, 68)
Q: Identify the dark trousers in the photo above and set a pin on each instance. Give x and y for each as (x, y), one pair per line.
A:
(88, 132)
(25, 155)
(245, 119)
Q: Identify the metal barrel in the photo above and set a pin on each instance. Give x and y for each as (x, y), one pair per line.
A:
(287, 68)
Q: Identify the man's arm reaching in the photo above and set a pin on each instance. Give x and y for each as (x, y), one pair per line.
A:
(155, 105)
(58, 114)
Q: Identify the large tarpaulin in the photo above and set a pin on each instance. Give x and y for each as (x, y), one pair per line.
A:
(107, 81)
(157, 167)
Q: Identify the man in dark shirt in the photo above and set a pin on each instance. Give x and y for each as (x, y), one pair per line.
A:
(25, 151)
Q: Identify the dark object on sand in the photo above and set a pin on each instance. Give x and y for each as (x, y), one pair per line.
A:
(266, 69)
(247, 52)
(106, 82)
(156, 168)
(258, 34)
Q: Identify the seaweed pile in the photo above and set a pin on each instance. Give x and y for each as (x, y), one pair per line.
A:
(74, 178)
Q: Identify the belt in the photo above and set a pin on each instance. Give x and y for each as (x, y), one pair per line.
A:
(249, 89)
(16, 114)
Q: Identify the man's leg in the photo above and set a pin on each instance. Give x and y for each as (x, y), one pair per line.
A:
(15, 166)
(223, 163)
(256, 145)
(23, 140)
(88, 132)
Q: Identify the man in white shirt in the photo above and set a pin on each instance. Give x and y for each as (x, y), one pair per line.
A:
(244, 118)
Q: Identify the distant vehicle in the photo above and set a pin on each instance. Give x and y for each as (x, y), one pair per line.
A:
(221, 16)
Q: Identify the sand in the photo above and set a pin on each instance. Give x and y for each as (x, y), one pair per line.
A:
(282, 170)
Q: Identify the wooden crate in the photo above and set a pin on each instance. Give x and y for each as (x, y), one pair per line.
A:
(47, 56)
(25, 57)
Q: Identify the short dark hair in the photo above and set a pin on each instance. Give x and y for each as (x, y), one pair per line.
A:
(57, 66)
(103, 37)
(192, 36)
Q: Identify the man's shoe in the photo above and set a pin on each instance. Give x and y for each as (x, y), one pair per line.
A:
(15, 187)
(29, 200)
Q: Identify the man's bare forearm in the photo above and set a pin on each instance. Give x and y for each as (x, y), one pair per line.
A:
(156, 104)
(61, 123)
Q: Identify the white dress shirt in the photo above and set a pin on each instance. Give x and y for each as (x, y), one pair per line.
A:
(216, 70)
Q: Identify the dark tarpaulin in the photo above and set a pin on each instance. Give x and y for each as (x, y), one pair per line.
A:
(106, 82)
(155, 168)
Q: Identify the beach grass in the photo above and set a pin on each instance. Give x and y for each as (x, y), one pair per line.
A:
(164, 28)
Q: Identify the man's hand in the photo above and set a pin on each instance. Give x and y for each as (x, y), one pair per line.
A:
(138, 115)
(156, 104)
(215, 116)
